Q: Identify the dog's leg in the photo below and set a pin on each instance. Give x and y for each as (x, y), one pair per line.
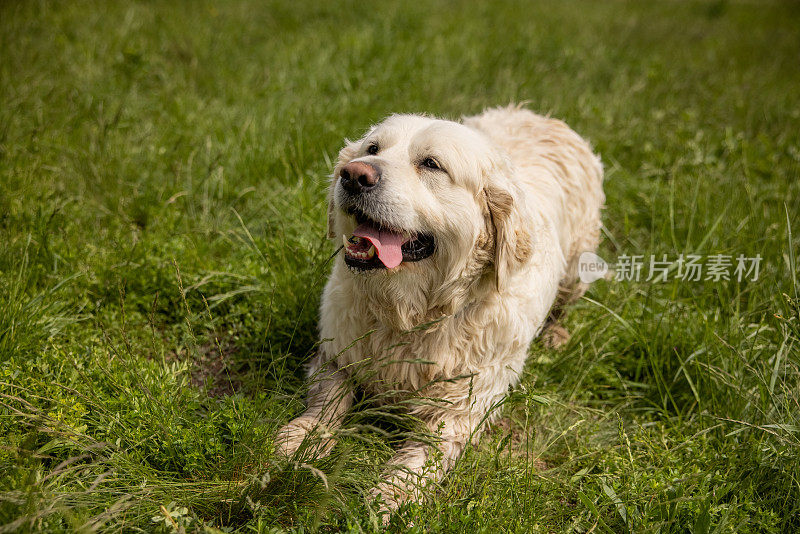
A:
(410, 469)
(329, 398)
(554, 334)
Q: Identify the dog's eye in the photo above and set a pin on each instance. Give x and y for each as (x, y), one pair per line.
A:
(431, 164)
(372, 149)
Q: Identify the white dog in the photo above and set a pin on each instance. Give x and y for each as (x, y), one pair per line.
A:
(461, 245)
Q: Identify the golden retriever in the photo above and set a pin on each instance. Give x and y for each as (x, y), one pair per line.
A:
(460, 245)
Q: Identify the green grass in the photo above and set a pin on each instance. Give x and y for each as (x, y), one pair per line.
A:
(162, 251)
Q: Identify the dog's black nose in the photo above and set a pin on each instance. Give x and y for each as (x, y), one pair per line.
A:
(358, 176)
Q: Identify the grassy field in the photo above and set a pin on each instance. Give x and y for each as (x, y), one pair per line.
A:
(162, 251)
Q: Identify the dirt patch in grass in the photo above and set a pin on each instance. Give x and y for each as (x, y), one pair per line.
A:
(212, 368)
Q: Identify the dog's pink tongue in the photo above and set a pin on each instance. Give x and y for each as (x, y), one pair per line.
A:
(388, 245)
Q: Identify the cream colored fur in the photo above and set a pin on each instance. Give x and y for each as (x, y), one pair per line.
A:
(519, 202)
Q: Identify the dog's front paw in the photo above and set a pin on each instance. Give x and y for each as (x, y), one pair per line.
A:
(307, 433)
(387, 498)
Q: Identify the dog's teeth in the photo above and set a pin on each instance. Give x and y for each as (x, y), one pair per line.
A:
(352, 248)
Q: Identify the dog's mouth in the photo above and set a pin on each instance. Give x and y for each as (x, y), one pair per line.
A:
(378, 246)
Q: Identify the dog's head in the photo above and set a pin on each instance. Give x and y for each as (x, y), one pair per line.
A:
(428, 205)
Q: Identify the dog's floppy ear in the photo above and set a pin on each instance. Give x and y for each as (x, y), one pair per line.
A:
(512, 242)
(347, 153)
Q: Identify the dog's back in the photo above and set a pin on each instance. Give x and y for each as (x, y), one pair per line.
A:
(561, 175)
